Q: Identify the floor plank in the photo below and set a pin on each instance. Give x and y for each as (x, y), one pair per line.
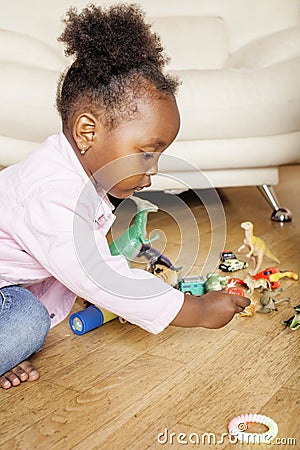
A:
(120, 387)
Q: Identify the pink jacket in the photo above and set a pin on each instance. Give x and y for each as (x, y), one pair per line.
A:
(53, 227)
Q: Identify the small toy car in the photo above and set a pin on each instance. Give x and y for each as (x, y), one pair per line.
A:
(230, 263)
(227, 255)
(194, 285)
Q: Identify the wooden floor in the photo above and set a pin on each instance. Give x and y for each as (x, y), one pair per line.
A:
(119, 387)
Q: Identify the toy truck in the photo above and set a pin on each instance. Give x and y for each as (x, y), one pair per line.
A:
(194, 285)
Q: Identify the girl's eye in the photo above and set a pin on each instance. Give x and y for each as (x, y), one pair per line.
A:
(148, 155)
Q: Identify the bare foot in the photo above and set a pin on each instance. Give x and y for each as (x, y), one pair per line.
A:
(23, 372)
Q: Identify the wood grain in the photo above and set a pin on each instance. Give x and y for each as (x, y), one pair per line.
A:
(120, 387)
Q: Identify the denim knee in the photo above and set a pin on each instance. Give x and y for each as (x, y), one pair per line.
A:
(24, 325)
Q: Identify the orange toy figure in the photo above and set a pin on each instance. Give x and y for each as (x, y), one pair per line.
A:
(257, 247)
(273, 275)
(249, 310)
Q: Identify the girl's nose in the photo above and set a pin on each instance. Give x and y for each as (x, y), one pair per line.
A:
(153, 169)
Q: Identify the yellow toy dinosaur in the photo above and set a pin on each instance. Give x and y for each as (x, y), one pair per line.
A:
(257, 247)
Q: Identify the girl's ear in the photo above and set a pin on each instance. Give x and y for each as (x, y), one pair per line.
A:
(84, 130)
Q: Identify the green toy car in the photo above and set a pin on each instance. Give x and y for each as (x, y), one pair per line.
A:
(194, 285)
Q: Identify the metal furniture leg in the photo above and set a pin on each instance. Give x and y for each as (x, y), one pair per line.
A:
(279, 214)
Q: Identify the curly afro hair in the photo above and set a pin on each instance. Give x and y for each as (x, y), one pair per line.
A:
(117, 59)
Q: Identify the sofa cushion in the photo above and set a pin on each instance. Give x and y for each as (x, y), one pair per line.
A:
(272, 49)
(27, 96)
(21, 48)
(193, 42)
(233, 103)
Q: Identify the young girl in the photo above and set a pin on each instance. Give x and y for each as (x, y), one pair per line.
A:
(118, 114)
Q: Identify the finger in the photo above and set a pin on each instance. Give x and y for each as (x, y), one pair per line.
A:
(241, 302)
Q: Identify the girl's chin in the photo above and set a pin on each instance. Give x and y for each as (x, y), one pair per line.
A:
(124, 194)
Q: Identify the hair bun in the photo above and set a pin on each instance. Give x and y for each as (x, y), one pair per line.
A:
(111, 41)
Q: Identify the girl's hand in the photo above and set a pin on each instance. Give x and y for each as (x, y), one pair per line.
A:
(212, 310)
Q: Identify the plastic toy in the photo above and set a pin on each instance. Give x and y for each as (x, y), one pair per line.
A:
(235, 291)
(159, 272)
(88, 319)
(227, 255)
(252, 283)
(273, 275)
(194, 285)
(249, 310)
(155, 257)
(268, 301)
(170, 278)
(294, 321)
(257, 247)
(233, 281)
(232, 287)
(230, 263)
(215, 282)
(130, 242)
(237, 427)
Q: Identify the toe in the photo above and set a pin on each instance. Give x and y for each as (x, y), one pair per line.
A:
(4, 382)
(25, 371)
(20, 373)
(30, 370)
(12, 378)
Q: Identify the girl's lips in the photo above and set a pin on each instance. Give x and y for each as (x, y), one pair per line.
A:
(140, 188)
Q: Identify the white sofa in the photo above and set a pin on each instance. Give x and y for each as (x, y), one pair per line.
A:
(239, 62)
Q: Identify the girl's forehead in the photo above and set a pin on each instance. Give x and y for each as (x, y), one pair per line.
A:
(156, 119)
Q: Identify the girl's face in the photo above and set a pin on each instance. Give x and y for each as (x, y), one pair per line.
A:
(123, 160)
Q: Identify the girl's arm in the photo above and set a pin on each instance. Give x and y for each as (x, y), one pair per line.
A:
(211, 310)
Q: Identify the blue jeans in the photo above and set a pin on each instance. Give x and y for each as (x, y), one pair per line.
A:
(24, 325)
